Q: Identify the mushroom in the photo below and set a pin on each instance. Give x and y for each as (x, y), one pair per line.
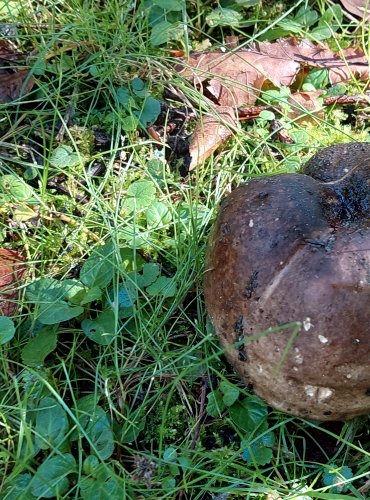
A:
(287, 285)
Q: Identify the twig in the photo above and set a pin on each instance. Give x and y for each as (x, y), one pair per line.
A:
(251, 112)
(201, 412)
(71, 222)
(365, 487)
(199, 422)
(347, 99)
(63, 190)
(69, 114)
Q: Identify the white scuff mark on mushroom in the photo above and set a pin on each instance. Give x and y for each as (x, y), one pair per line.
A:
(278, 278)
(310, 390)
(251, 223)
(319, 393)
(323, 393)
(307, 325)
(298, 359)
(323, 339)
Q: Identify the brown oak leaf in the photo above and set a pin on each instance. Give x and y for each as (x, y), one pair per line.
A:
(359, 8)
(342, 66)
(210, 132)
(306, 107)
(12, 269)
(235, 78)
(15, 85)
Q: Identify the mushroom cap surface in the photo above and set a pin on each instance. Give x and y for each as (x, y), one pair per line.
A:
(287, 285)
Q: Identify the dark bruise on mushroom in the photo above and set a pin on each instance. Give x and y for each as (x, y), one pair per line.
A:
(298, 254)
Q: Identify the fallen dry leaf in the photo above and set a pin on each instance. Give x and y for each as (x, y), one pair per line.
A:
(359, 8)
(342, 66)
(235, 78)
(306, 107)
(213, 130)
(13, 83)
(278, 132)
(12, 269)
(8, 52)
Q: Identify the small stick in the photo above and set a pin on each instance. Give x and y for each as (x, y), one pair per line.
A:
(198, 424)
(201, 412)
(365, 487)
(71, 222)
(251, 112)
(69, 114)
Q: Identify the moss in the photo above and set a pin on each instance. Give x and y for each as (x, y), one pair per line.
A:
(169, 424)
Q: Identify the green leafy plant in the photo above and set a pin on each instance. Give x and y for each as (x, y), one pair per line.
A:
(57, 301)
(165, 19)
(7, 330)
(258, 451)
(336, 477)
(98, 481)
(95, 425)
(53, 430)
(222, 398)
(175, 463)
(231, 14)
(248, 413)
(140, 195)
(250, 416)
(307, 23)
(137, 107)
(40, 346)
(64, 156)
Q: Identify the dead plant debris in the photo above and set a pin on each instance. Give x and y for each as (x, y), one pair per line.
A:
(233, 79)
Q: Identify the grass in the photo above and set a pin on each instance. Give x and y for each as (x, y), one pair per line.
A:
(86, 416)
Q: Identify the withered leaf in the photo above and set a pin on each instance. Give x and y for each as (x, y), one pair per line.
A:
(12, 269)
(342, 66)
(7, 51)
(235, 78)
(210, 132)
(359, 8)
(15, 85)
(305, 106)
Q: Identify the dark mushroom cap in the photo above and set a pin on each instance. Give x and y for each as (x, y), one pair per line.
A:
(287, 285)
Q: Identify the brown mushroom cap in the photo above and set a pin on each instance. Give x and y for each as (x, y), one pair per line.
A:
(287, 285)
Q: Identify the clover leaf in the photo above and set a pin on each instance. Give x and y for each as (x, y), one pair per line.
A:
(64, 156)
(140, 195)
